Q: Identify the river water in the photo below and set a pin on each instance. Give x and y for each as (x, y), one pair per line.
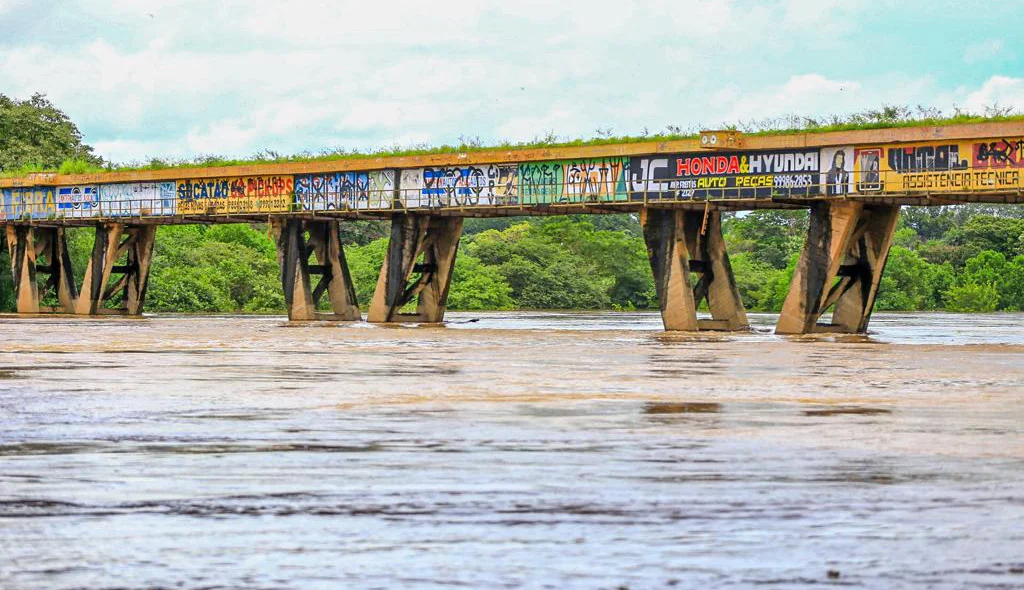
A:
(535, 450)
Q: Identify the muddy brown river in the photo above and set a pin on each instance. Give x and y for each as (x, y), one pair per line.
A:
(516, 450)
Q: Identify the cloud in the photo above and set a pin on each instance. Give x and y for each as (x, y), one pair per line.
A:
(983, 51)
(178, 77)
(1001, 91)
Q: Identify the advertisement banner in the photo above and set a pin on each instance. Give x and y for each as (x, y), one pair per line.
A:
(951, 166)
(248, 194)
(725, 175)
(77, 201)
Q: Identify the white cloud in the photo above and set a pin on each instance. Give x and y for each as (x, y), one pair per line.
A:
(179, 77)
(999, 91)
(983, 51)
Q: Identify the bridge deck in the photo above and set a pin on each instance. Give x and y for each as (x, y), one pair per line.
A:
(903, 166)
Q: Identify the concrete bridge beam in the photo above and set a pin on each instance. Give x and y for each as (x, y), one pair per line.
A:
(840, 267)
(684, 244)
(302, 298)
(422, 245)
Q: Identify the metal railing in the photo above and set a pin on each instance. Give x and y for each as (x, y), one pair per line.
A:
(43, 203)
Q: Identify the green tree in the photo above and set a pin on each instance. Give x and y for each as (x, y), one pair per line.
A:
(35, 133)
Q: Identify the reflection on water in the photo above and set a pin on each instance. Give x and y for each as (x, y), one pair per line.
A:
(517, 450)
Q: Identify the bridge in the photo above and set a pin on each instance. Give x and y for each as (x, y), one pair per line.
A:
(852, 182)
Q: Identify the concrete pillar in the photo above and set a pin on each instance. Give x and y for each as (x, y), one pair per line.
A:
(683, 242)
(434, 238)
(293, 251)
(51, 245)
(22, 249)
(841, 265)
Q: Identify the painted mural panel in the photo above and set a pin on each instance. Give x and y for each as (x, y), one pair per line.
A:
(574, 181)
(36, 202)
(725, 175)
(837, 171)
(77, 201)
(345, 190)
(461, 186)
(135, 199)
(953, 166)
(243, 194)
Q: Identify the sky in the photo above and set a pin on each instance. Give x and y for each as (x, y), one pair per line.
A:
(181, 78)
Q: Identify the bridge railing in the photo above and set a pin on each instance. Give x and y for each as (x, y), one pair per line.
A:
(626, 187)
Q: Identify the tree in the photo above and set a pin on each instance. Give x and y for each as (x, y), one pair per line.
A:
(35, 133)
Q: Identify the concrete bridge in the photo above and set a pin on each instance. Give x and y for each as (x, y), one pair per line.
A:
(853, 183)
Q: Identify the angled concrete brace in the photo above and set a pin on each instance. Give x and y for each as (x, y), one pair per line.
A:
(841, 265)
(293, 251)
(136, 271)
(683, 242)
(106, 250)
(437, 240)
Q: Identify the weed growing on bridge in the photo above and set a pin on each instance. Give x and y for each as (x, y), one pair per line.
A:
(882, 118)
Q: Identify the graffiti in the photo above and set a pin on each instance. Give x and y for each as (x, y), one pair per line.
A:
(77, 201)
(488, 185)
(999, 154)
(837, 170)
(573, 181)
(29, 203)
(733, 175)
(926, 158)
(345, 190)
(136, 199)
(594, 180)
(252, 194)
(380, 189)
(541, 182)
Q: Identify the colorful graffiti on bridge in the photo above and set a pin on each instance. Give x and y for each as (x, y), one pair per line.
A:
(32, 202)
(573, 181)
(345, 190)
(137, 199)
(461, 186)
(248, 194)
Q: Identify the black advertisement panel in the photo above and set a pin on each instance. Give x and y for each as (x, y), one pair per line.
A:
(725, 175)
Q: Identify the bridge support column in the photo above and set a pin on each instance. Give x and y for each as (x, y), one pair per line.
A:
(114, 241)
(22, 249)
(841, 265)
(683, 242)
(293, 252)
(433, 238)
